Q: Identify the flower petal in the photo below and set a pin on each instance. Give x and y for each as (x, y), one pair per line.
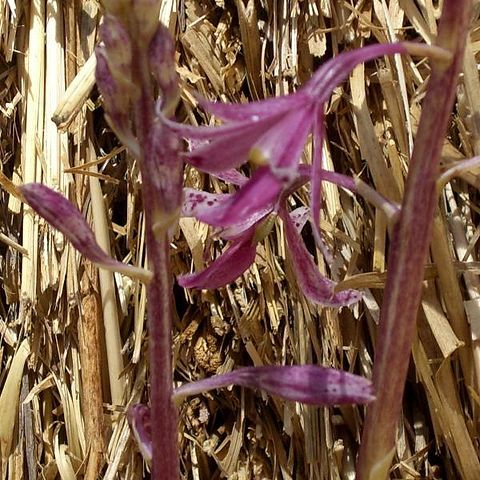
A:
(299, 217)
(139, 420)
(308, 384)
(225, 153)
(282, 146)
(252, 111)
(62, 215)
(204, 205)
(197, 202)
(215, 132)
(251, 203)
(333, 72)
(228, 146)
(232, 176)
(234, 231)
(224, 269)
(314, 285)
(336, 70)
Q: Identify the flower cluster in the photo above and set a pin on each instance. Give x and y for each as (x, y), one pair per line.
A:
(245, 235)
(269, 133)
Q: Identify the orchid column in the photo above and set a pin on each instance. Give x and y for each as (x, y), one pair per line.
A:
(136, 51)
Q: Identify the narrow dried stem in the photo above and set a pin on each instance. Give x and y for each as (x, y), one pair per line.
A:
(32, 132)
(409, 249)
(113, 338)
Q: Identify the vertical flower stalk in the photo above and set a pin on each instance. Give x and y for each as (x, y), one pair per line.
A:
(136, 60)
(161, 169)
(408, 251)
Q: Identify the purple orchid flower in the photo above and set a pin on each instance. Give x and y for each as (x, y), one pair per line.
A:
(244, 236)
(309, 384)
(256, 205)
(273, 132)
(270, 133)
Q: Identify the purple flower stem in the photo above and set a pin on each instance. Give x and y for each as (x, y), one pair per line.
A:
(408, 251)
(357, 185)
(158, 149)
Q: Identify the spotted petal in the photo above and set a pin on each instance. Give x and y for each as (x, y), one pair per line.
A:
(299, 217)
(197, 203)
(252, 202)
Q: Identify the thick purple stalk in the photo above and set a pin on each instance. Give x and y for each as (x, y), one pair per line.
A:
(161, 176)
(408, 251)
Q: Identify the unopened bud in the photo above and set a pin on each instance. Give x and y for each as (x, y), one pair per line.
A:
(162, 64)
(61, 214)
(107, 84)
(118, 46)
(116, 100)
(139, 419)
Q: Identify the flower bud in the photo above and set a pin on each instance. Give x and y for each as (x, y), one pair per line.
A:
(162, 65)
(139, 420)
(309, 384)
(116, 101)
(61, 214)
(115, 97)
(118, 48)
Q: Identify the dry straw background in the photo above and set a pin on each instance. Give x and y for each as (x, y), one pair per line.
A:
(73, 343)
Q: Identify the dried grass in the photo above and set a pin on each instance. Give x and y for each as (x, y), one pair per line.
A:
(72, 339)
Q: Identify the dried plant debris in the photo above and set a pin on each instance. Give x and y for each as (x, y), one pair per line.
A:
(73, 344)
